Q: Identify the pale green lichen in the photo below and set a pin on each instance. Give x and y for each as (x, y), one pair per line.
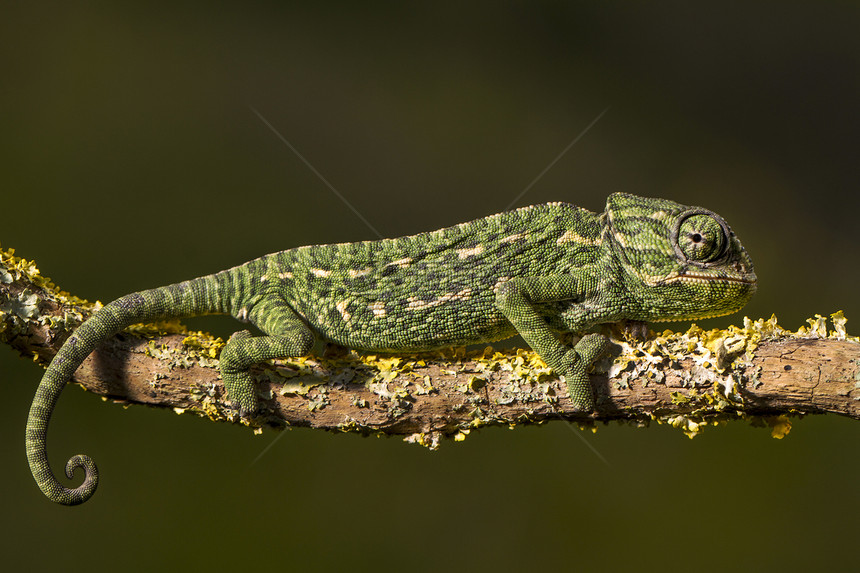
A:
(25, 306)
(353, 426)
(722, 358)
(23, 309)
(528, 378)
(711, 392)
(319, 400)
(710, 389)
(14, 268)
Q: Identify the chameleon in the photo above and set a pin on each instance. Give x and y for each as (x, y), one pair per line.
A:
(538, 271)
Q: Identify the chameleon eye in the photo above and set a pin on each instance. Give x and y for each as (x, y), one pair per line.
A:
(702, 238)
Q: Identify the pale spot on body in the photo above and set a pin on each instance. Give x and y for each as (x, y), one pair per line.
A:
(377, 308)
(355, 273)
(341, 308)
(322, 273)
(514, 237)
(466, 253)
(572, 237)
(414, 303)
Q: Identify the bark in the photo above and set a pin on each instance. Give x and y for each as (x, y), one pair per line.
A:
(448, 394)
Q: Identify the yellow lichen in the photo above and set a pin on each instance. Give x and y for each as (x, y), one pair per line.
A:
(780, 426)
(711, 388)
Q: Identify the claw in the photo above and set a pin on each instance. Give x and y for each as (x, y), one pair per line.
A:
(632, 330)
(235, 408)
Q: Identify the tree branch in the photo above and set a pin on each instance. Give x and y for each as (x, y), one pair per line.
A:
(689, 380)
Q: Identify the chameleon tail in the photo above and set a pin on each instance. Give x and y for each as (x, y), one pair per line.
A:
(195, 297)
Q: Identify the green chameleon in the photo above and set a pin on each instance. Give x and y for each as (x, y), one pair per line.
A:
(536, 271)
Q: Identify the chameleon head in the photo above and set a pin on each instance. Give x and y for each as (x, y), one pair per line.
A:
(678, 262)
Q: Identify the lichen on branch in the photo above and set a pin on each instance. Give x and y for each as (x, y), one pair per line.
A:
(690, 380)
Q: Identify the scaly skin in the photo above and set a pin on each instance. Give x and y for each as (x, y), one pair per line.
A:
(537, 271)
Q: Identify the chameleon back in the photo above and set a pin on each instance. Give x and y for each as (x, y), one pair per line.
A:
(433, 289)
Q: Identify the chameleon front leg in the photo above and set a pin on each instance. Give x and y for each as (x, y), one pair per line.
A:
(515, 297)
(287, 335)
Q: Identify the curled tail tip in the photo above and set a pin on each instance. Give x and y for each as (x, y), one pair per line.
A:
(58, 493)
(91, 480)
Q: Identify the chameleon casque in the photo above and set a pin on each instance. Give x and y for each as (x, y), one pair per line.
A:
(536, 271)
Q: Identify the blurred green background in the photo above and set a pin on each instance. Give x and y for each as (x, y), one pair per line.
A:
(131, 158)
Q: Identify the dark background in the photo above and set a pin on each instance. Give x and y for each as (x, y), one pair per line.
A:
(130, 157)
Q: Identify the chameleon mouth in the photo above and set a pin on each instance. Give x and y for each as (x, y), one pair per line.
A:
(699, 278)
(694, 316)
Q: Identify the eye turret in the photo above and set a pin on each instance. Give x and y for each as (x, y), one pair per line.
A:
(700, 238)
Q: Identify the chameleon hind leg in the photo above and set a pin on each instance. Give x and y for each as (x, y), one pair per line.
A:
(515, 297)
(286, 335)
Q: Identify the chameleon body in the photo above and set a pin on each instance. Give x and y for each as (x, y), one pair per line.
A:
(536, 271)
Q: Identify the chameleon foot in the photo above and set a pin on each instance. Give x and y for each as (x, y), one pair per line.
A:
(237, 376)
(575, 369)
